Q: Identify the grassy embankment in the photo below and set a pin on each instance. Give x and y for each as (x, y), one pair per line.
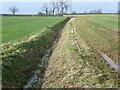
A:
(69, 67)
(19, 60)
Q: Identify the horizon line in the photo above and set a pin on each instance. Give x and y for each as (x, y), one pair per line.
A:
(59, 0)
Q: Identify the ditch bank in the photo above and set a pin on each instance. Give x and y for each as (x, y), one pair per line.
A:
(18, 61)
(35, 81)
(74, 64)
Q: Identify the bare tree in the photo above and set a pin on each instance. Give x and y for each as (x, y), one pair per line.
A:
(118, 8)
(61, 6)
(53, 7)
(67, 5)
(64, 5)
(57, 7)
(46, 8)
(13, 10)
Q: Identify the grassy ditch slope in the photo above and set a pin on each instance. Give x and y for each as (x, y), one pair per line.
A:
(75, 61)
(19, 60)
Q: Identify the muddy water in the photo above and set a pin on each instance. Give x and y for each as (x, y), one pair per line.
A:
(35, 77)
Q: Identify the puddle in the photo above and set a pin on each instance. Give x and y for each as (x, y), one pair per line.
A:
(111, 63)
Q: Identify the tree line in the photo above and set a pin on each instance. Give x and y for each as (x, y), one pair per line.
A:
(50, 8)
(59, 7)
(97, 11)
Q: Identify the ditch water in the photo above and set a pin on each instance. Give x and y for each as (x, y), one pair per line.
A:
(35, 77)
(111, 63)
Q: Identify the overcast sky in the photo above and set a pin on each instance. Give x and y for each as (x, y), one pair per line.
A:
(31, 7)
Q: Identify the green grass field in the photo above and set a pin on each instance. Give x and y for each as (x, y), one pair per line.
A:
(16, 28)
(101, 32)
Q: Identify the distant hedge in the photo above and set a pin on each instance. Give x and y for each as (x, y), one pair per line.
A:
(28, 15)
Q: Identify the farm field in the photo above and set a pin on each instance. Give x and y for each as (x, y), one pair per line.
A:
(16, 28)
(74, 60)
(101, 33)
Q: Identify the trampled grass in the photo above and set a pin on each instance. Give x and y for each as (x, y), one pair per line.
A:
(16, 28)
(70, 68)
